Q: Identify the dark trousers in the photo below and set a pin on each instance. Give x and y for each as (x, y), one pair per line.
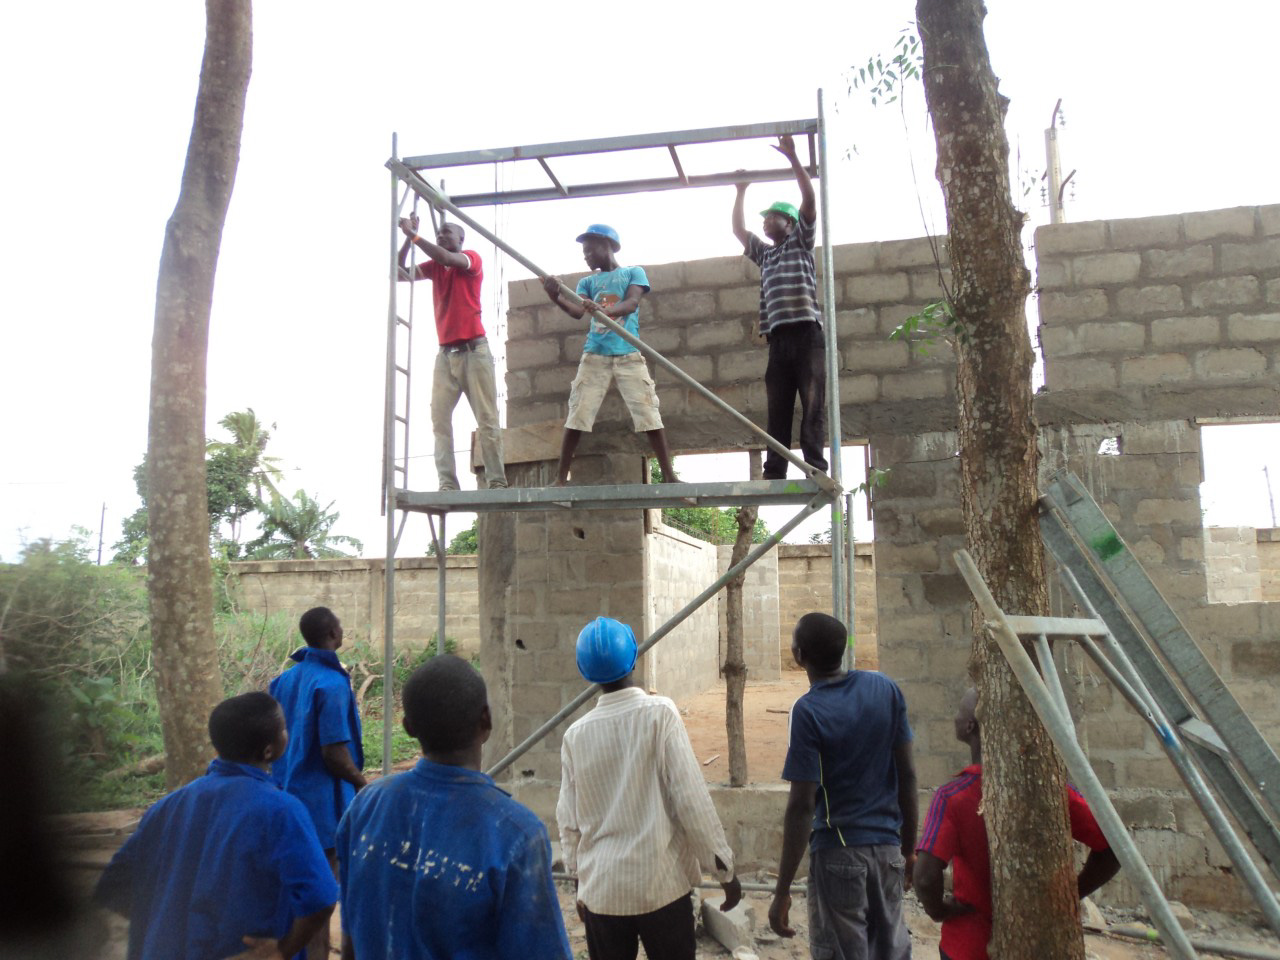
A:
(797, 367)
(667, 933)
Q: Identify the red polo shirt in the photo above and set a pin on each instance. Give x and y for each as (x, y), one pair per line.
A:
(456, 293)
(955, 833)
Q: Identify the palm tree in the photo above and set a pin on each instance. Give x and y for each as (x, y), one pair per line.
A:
(298, 529)
(249, 442)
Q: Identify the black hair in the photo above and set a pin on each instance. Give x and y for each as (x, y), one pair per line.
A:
(443, 701)
(459, 228)
(242, 727)
(316, 624)
(822, 639)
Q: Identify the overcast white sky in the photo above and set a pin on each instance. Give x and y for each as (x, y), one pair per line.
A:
(1165, 112)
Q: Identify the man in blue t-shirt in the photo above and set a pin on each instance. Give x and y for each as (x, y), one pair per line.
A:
(227, 861)
(853, 798)
(322, 765)
(616, 292)
(438, 862)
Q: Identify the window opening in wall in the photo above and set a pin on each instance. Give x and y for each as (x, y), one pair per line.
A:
(1110, 447)
(1238, 503)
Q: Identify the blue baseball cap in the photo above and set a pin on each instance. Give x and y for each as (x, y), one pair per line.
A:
(602, 230)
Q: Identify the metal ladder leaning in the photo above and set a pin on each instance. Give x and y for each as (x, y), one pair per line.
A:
(1045, 692)
(1220, 737)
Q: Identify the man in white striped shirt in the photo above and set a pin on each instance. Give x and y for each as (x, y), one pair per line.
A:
(637, 824)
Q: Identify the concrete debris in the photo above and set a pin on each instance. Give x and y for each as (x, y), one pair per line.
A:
(732, 929)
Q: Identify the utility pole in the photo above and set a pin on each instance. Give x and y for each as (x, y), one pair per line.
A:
(1266, 475)
(1054, 164)
(102, 521)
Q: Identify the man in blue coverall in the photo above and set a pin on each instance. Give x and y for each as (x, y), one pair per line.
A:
(322, 764)
(227, 861)
(438, 862)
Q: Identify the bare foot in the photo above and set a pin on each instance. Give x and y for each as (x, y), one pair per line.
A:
(671, 479)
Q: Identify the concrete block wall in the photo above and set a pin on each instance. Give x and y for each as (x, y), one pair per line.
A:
(804, 579)
(761, 601)
(702, 315)
(1268, 547)
(353, 588)
(1182, 301)
(677, 568)
(1232, 565)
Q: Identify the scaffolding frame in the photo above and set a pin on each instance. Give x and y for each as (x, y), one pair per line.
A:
(813, 492)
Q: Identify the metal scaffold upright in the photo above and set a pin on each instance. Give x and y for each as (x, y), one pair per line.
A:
(811, 494)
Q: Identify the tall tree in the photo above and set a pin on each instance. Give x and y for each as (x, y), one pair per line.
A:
(1024, 789)
(179, 573)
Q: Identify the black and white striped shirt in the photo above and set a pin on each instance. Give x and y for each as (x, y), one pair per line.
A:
(788, 281)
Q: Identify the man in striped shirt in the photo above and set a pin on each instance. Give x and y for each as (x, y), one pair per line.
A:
(789, 318)
(637, 824)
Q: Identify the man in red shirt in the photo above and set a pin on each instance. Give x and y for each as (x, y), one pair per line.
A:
(464, 364)
(954, 832)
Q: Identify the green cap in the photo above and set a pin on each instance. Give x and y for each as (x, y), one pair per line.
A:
(784, 208)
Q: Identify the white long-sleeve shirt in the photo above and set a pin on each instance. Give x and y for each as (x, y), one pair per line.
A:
(637, 824)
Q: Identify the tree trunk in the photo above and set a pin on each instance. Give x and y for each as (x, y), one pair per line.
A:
(180, 581)
(1024, 794)
(735, 667)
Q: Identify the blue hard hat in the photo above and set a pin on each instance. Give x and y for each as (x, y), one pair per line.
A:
(602, 230)
(606, 650)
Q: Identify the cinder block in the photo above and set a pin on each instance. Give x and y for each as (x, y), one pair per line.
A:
(1105, 268)
(1245, 328)
(527, 354)
(1240, 363)
(1052, 273)
(908, 558)
(686, 305)
(1269, 216)
(860, 389)
(1072, 306)
(1154, 510)
(740, 365)
(664, 276)
(551, 380)
(550, 319)
(700, 368)
(521, 323)
(1163, 231)
(1259, 256)
(915, 252)
(1057, 341)
(1234, 222)
(717, 272)
(739, 300)
(1071, 237)
(1157, 368)
(857, 323)
(1114, 336)
(1144, 301)
(926, 285)
(1073, 374)
(721, 333)
(732, 928)
(519, 385)
(875, 355)
(877, 288)
(1179, 331)
(855, 257)
(1273, 291)
(525, 293)
(920, 385)
(666, 339)
(1185, 262)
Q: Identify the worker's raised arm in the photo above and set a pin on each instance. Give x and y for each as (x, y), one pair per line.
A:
(446, 258)
(739, 221)
(808, 204)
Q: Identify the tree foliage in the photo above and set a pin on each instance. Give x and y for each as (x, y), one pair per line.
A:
(299, 529)
(465, 543)
(706, 523)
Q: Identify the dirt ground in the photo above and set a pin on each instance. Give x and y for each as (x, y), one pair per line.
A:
(764, 713)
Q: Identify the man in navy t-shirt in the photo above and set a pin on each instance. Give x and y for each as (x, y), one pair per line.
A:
(853, 798)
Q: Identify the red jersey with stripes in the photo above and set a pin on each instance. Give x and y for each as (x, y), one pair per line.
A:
(955, 832)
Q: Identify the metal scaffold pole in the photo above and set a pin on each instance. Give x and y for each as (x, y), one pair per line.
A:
(839, 597)
(389, 505)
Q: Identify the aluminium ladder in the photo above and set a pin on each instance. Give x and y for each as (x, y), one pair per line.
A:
(1220, 737)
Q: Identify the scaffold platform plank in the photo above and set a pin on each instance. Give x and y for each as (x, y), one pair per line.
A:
(614, 496)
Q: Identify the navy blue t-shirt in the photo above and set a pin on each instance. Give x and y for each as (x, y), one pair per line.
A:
(843, 734)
